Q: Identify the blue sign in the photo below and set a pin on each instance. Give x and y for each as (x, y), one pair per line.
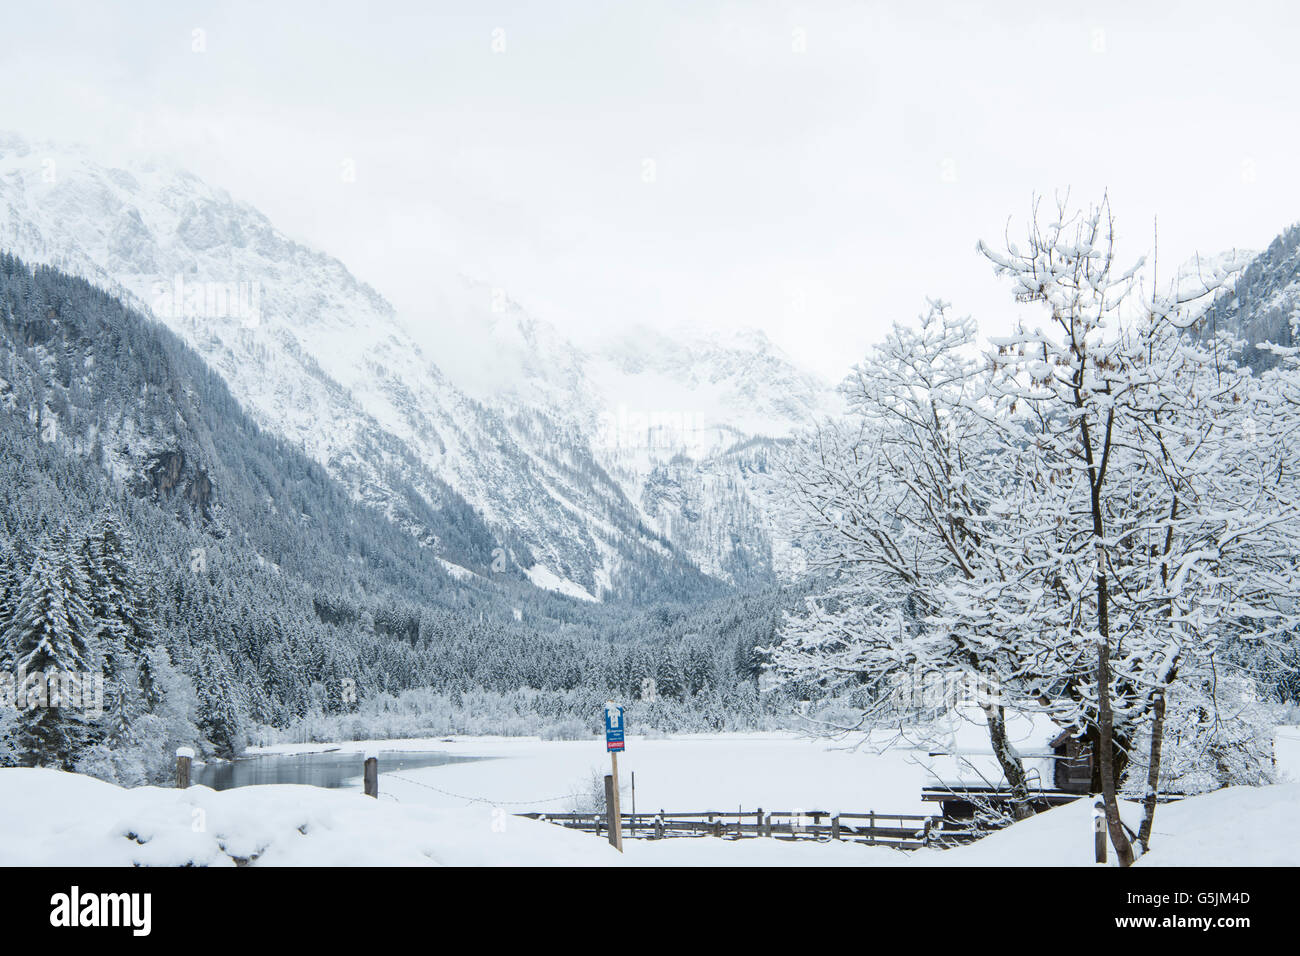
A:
(613, 727)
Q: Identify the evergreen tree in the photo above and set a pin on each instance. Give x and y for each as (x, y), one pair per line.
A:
(114, 582)
(151, 694)
(218, 711)
(11, 579)
(118, 603)
(50, 635)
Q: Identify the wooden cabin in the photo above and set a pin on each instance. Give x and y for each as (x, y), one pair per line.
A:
(1073, 764)
(1057, 764)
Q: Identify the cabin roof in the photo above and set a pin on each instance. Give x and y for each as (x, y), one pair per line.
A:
(1060, 739)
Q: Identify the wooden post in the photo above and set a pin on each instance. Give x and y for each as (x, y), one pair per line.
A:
(758, 820)
(835, 827)
(871, 836)
(184, 756)
(659, 825)
(926, 837)
(612, 821)
(371, 779)
(616, 817)
(1099, 830)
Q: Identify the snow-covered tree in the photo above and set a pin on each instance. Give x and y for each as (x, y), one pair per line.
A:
(1106, 503)
(219, 715)
(1218, 734)
(143, 753)
(11, 579)
(116, 591)
(1166, 523)
(50, 635)
(904, 507)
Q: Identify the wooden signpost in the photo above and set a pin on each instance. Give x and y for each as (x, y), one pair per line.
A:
(613, 743)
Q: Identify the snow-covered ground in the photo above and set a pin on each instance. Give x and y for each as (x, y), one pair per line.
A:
(775, 771)
(696, 772)
(85, 822)
(1286, 751)
(468, 819)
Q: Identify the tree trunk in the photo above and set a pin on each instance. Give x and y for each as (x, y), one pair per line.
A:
(1121, 742)
(1153, 769)
(1009, 760)
(1106, 731)
(1158, 705)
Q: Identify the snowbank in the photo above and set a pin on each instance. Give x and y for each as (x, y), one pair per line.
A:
(56, 818)
(1237, 826)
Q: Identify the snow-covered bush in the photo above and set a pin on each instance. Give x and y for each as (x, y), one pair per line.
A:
(566, 730)
(1217, 734)
(589, 795)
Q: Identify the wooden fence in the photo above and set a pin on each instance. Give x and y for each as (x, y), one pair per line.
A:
(961, 801)
(902, 831)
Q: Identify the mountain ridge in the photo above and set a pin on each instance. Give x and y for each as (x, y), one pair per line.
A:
(322, 358)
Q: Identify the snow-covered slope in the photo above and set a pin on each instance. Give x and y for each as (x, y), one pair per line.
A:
(1264, 304)
(684, 420)
(321, 358)
(634, 458)
(689, 426)
(686, 388)
(738, 384)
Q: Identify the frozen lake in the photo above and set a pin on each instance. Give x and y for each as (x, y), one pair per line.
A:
(331, 769)
(685, 773)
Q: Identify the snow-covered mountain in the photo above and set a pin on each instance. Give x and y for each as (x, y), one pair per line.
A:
(607, 471)
(685, 420)
(1264, 303)
(689, 424)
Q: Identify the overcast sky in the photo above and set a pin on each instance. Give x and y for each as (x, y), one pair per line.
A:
(812, 169)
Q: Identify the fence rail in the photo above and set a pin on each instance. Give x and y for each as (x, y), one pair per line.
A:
(959, 800)
(899, 830)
